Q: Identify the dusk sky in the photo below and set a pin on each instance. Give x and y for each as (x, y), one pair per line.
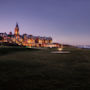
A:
(66, 21)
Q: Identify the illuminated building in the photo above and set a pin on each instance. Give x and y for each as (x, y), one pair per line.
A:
(27, 40)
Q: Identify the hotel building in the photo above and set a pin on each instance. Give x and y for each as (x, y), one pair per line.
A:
(27, 40)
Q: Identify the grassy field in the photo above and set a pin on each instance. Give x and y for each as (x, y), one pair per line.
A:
(27, 69)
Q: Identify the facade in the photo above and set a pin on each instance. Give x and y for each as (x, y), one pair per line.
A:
(27, 40)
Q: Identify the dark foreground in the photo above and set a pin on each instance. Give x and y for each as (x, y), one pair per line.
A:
(40, 70)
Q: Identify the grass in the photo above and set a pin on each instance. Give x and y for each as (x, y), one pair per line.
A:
(26, 69)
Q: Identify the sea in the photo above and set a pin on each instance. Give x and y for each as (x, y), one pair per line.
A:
(84, 46)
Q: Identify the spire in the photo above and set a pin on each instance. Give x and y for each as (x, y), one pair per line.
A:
(16, 31)
(17, 25)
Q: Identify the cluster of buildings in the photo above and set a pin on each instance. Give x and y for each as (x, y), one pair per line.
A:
(27, 40)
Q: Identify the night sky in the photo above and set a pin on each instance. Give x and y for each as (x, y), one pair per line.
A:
(66, 21)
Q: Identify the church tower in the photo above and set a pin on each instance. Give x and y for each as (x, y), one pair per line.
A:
(16, 31)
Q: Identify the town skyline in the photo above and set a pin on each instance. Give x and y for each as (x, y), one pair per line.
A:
(65, 21)
(26, 40)
(20, 33)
